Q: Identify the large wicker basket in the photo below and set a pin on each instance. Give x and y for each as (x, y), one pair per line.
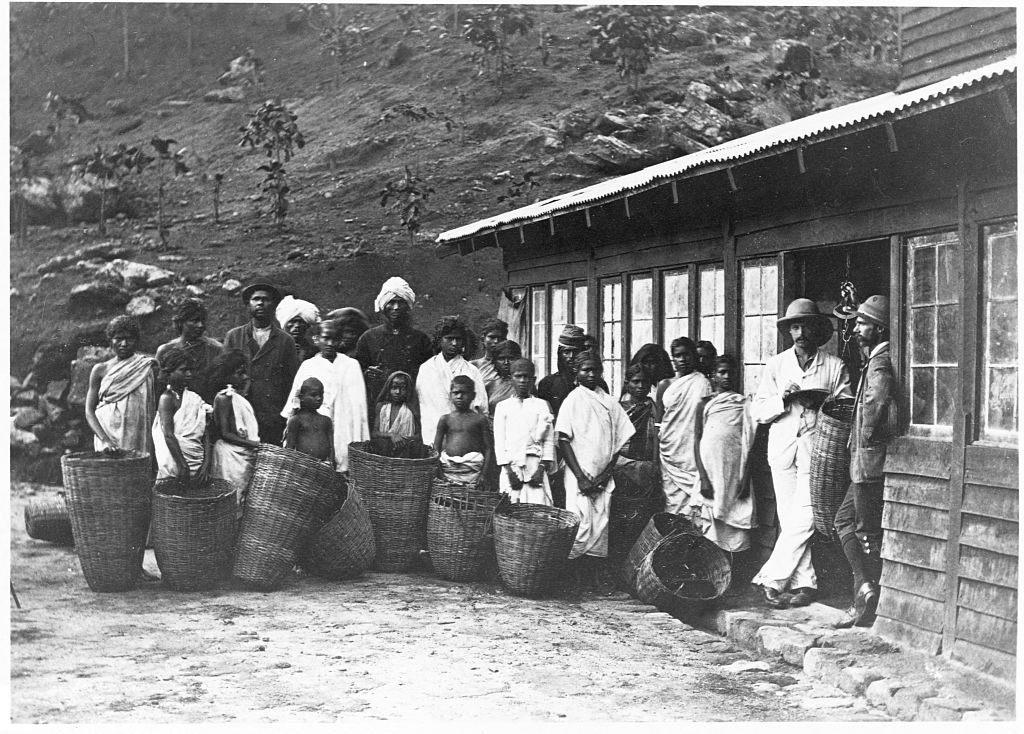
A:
(194, 533)
(830, 463)
(632, 506)
(344, 547)
(459, 530)
(289, 497)
(47, 518)
(660, 526)
(109, 503)
(396, 492)
(532, 543)
(682, 573)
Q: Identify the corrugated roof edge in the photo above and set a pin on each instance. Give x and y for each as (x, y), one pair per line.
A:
(734, 150)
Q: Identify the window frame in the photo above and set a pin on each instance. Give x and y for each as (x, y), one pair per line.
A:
(981, 435)
(750, 386)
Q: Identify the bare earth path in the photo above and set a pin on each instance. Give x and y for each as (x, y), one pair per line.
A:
(382, 647)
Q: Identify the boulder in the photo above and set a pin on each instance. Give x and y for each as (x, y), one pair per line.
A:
(232, 286)
(57, 390)
(225, 95)
(23, 440)
(118, 106)
(770, 113)
(790, 55)
(574, 123)
(195, 291)
(141, 306)
(611, 155)
(81, 368)
(101, 252)
(734, 90)
(25, 398)
(133, 124)
(609, 123)
(398, 55)
(137, 275)
(40, 197)
(701, 91)
(80, 196)
(98, 294)
(703, 122)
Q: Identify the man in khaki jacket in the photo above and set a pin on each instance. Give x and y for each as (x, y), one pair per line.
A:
(859, 519)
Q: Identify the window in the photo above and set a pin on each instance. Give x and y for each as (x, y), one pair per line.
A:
(760, 314)
(611, 332)
(999, 408)
(641, 313)
(676, 290)
(712, 306)
(579, 306)
(538, 329)
(559, 318)
(933, 339)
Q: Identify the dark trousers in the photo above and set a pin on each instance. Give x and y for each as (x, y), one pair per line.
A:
(860, 513)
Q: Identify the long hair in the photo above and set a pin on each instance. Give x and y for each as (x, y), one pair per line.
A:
(663, 370)
(454, 325)
(222, 367)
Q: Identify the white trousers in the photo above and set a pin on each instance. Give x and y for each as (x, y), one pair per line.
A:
(789, 565)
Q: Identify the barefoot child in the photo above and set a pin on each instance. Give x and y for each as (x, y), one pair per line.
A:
(234, 453)
(180, 439)
(524, 440)
(397, 416)
(463, 438)
(308, 431)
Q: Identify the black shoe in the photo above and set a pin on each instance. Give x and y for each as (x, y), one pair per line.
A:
(803, 596)
(774, 598)
(865, 604)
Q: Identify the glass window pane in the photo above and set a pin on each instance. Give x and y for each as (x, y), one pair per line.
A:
(923, 335)
(579, 309)
(948, 334)
(611, 332)
(923, 265)
(923, 408)
(945, 395)
(675, 328)
(769, 337)
(948, 274)
(538, 332)
(770, 289)
(751, 339)
(559, 318)
(751, 378)
(642, 294)
(676, 296)
(751, 289)
(1002, 333)
(641, 311)
(1002, 400)
(1002, 264)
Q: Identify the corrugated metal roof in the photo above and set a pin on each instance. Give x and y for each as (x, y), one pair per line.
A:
(734, 150)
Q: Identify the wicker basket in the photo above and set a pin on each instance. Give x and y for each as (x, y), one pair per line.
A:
(682, 573)
(47, 518)
(344, 547)
(459, 530)
(289, 497)
(632, 506)
(109, 503)
(830, 463)
(194, 533)
(660, 526)
(396, 492)
(532, 543)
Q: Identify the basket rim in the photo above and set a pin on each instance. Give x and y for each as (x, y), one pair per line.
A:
(361, 447)
(102, 456)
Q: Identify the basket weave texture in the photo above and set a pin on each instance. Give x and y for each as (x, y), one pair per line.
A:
(396, 492)
(109, 503)
(194, 533)
(344, 547)
(683, 572)
(632, 507)
(830, 464)
(289, 497)
(459, 530)
(47, 518)
(532, 543)
(660, 526)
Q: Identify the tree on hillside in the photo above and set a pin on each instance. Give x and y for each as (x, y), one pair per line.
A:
(111, 166)
(164, 155)
(490, 30)
(273, 129)
(340, 31)
(408, 196)
(633, 34)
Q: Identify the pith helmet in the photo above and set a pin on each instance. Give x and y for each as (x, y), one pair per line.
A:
(876, 310)
(806, 310)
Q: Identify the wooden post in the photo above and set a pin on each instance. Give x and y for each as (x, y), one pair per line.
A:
(551, 225)
(522, 235)
(593, 295)
(732, 180)
(733, 308)
(800, 160)
(586, 213)
(675, 193)
(890, 138)
(628, 215)
(1008, 110)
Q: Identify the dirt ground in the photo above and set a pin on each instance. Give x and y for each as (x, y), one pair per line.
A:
(385, 646)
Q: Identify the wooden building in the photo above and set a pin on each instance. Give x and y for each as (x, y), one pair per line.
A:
(912, 194)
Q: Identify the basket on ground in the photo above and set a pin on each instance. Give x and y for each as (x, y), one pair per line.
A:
(109, 504)
(396, 493)
(632, 506)
(290, 496)
(459, 530)
(532, 543)
(830, 463)
(660, 526)
(344, 547)
(193, 533)
(682, 573)
(47, 518)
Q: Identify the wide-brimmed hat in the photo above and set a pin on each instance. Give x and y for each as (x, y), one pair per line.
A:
(260, 286)
(876, 310)
(805, 310)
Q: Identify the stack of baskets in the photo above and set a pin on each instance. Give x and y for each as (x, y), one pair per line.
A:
(830, 463)
(682, 573)
(193, 533)
(459, 530)
(344, 547)
(660, 526)
(47, 518)
(289, 497)
(532, 543)
(109, 504)
(396, 492)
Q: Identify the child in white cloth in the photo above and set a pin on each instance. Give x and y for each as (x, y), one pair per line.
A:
(524, 440)
(181, 442)
(234, 453)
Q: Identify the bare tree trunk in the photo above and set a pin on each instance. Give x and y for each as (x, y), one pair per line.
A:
(124, 36)
(188, 37)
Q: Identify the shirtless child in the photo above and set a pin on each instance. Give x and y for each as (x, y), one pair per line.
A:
(463, 438)
(308, 431)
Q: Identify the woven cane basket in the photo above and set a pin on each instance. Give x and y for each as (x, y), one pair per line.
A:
(289, 497)
(109, 503)
(459, 530)
(194, 533)
(47, 518)
(396, 493)
(660, 526)
(830, 463)
(632, 507)
(532, 543)
(682, 573)
(344, 547)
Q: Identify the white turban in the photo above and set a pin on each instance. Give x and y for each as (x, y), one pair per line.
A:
(290, 307)
(393, 287)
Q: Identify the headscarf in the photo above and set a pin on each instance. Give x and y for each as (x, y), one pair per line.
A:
(411, 401)
(394, 287)
(571, 336)
(290, 307)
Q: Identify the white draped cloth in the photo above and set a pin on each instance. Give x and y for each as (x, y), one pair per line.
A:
(189, 428)
(125, 404)
(344, 400)
(679, 477)
(524, 436)
(230, 461)
(724, 447)
(402, 425)
(433, 389)
(597, 428)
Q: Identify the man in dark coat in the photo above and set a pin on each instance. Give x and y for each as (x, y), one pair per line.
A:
(859, 518)
(272, 359)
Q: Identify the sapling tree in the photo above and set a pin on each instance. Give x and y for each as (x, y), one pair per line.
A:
(274, 130)
(340, 33)
(633, 34)
(408, 196)
(166, 157)
(490, 30)
(108, 166)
